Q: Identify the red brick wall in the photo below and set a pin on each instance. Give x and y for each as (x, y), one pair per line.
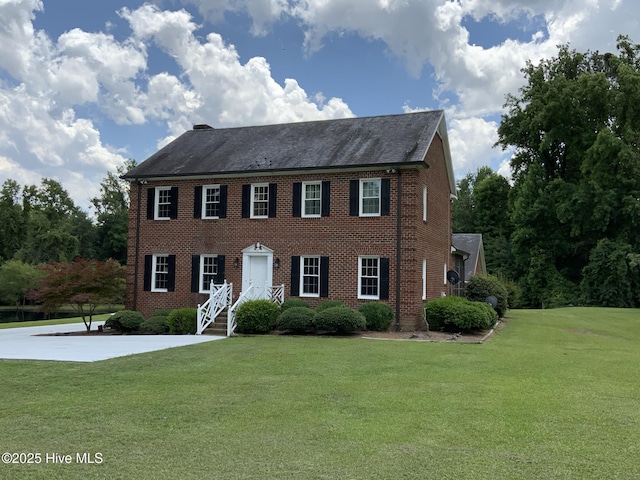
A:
(340, 236)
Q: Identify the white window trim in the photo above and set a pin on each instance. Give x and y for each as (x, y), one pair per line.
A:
(156, 203)
(204, 201)
(201, 273)
(361, 197)
(253, 195)
(302, 292)
(154, 271)
(424, 279)
(424, 203)
(445, 273)
(360, 295)
(304, 198)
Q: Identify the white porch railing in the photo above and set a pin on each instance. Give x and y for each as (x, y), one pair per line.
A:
(274, 293)
(220, 297)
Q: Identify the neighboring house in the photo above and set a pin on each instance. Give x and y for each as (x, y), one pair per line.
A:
(468, 252)
(313, 206)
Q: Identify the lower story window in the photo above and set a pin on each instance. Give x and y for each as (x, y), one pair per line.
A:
(160, 275)
(369, 277)
(310, 278)
(208, 271)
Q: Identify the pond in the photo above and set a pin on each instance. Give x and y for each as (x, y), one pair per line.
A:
(7, 315)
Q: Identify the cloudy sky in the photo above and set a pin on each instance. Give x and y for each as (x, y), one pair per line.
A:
(85, 85)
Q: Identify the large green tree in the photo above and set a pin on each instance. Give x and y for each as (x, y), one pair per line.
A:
(112, 211)
(575, 128)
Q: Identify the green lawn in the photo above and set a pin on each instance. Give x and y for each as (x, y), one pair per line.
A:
(554, 394)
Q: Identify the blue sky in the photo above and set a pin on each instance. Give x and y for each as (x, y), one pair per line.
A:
(86, 85)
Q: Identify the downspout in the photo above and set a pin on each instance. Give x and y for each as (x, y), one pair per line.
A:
(398, 248)
(137, 248)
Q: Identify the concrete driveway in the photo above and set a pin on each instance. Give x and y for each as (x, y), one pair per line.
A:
(27, 343)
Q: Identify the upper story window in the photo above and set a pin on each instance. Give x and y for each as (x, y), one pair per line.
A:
(162, 203)
(369, 197)
(311, 192)
(311, 199)
(210, 201)
(424, 203)
(259, 200)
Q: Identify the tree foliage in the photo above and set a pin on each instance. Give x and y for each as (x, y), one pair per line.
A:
(83, 284)
(17, 279)
(575, 128)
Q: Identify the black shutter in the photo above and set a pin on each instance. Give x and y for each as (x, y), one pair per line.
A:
(326, 198)
(324, 277)
(148, 267)
(297, 199)
(174, 203)
(171, 277)
(295, 276)
(273, 194)
(385, 199)
(220, 276)
(354, 198)
(246, 200)
(151, 203)
(195, 273)
(384, 278)
(197, 202)
(223, 202)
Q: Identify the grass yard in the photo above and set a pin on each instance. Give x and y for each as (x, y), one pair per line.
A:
(555, 394)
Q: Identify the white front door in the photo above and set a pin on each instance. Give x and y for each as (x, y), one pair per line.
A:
(257, 270)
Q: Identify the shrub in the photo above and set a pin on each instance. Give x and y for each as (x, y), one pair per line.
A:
(161, 313)
(459, 314)
(482, 286)
(379, 315)
(329, 304)
(437, 311)
(256, 316)
(157, 324)
(294, 302)
(340, 320)
(183, 321)
(125, 321)
(296, 319)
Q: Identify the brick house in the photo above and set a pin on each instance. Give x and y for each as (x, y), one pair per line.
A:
(355, 209)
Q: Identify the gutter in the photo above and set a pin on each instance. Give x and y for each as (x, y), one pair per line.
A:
(136, 267)
(398, 248)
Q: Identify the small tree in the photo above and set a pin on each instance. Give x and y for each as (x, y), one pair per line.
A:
(83, 284)
(16, 280)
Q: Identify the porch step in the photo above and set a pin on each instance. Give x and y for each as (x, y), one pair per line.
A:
(219, 326)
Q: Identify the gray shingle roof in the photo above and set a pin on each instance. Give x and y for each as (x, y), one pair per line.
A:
(350, 142)
(470, 243)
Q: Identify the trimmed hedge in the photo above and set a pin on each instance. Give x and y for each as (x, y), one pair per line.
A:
(183, 321)
(294, 302)
(330, 304)
(458, 314)
(482, 286)
(256, 316)
(125, 321)
(296, 320)
(379, 315)
(157, 324)
(340, 320)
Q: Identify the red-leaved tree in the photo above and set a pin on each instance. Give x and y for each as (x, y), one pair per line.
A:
(83, 284)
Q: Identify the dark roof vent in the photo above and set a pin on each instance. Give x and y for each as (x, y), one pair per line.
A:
(202, 126)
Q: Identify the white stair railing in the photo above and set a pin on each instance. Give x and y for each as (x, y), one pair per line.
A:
(275, 293)
(220, 297)
(231, 314)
